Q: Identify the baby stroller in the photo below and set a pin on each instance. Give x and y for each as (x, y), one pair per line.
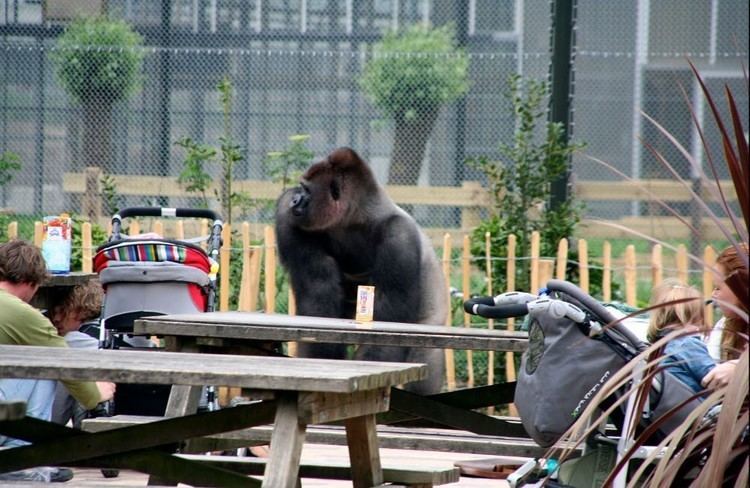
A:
(569, 358)
(152, 276)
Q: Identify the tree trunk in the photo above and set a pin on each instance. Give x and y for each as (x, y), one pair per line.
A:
(409, 143)
(97, 133)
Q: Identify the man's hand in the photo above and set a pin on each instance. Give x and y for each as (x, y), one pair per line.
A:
(720, 376)
(106, 390)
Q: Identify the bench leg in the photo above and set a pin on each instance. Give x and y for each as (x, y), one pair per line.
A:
(288, 436)
(364, 455)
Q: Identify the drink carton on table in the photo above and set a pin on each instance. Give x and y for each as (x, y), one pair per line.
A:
(56, 243)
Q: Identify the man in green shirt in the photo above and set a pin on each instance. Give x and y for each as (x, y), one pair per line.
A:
(22, 270)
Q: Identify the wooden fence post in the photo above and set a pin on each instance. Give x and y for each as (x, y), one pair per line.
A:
(630, 276)
(534, 263)
(657, 265)
(583, 264)
(270, 266)
(179, 230)
(38, 234)
(709, 260)
(243, 301)
(562, 259)
(607, 271)
(224, 257)
(681, 262)
(510, 361)
(134, 228)
(490, 322)
(13, 230)
(450, 363)
(157, 227)
(466, 288)
(86, 248)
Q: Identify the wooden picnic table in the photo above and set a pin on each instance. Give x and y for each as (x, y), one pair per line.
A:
(57, 287)
(233, 330)
(298, 392)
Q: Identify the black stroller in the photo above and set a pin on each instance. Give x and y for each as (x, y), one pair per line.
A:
(570, 356)
(153, 276)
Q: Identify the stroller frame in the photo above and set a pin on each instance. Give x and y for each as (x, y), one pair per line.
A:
(590, 317)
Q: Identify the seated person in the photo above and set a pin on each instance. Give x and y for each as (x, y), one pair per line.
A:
(686, 356)
(22, 271)
(83, 304)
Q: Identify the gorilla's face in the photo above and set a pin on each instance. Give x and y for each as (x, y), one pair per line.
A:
(317, 202)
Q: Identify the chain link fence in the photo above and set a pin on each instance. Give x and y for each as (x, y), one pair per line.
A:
(297, 68)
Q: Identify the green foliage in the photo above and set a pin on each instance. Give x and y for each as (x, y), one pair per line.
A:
(195, 177)
(286, 166)
(10, 163)
(520, 185)
(416, 71)
(98, 236)
(98, 59)
(112, 199)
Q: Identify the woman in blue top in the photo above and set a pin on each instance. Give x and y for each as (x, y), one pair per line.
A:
(686, 356)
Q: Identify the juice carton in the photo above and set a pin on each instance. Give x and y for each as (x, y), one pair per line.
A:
(56, 243)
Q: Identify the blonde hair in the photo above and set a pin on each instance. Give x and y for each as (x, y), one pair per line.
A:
(668, 314)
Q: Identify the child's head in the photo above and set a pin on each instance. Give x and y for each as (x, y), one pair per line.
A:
(674, 315)
(83, 303)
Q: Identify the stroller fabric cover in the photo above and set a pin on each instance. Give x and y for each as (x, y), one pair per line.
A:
(563, 369)
(560, 373)
(151, 277)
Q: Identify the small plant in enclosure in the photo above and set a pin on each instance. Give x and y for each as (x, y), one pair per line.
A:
(411, 88)
(286, 166)
(195, 177)
(98, 236)
(10, 163)
(111, 198)
(98, 61)
(520, 185)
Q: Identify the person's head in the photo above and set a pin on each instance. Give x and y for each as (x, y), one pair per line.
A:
(22, 268)
(730, 263)
(83, 303)
(669, 315)
(731, 266)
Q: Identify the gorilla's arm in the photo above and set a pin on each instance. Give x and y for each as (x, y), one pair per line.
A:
(314, 275)
(396, 272)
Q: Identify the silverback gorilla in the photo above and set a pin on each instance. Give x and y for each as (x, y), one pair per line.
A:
(338, 229)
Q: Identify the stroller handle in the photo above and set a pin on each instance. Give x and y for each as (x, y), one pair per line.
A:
(196, 213)
(485, 307)
(190, 213)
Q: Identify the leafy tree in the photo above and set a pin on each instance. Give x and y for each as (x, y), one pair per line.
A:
(98, 62)
(411, 75)
(195, 177)
(520, 185)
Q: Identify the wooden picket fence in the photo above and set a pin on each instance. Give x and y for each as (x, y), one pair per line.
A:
(542, 269)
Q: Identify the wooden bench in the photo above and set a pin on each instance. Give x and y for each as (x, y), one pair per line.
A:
(412, 477)
(304, 391)
(446, 440)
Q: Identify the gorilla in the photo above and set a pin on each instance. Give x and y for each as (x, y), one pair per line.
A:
(338, 229)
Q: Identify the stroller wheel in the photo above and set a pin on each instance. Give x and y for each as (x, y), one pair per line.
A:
(110, 473)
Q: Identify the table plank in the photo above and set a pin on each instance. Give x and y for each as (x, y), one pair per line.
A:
(159, 367)
(279, 327)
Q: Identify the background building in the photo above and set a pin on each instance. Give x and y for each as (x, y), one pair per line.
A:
(295, 65)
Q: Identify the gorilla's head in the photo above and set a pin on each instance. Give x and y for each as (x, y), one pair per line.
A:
(331, 191)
